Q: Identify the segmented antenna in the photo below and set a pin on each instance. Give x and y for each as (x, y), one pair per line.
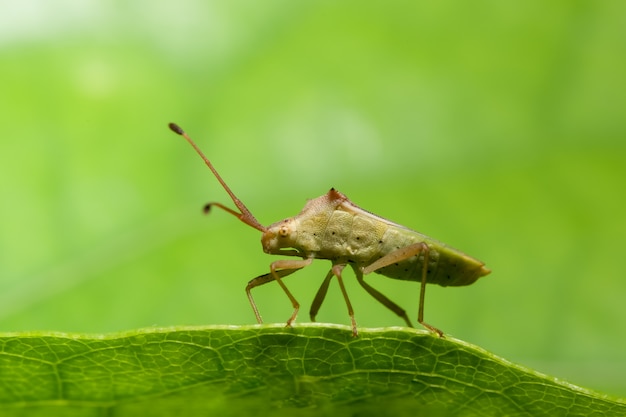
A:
(245, 215)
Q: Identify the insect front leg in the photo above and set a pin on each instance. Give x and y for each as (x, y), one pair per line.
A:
(278, 270)
(260, 280)
(400, 255)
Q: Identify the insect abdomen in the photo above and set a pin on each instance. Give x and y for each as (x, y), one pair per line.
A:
(446, 266)
(410, 269)
(455, 268)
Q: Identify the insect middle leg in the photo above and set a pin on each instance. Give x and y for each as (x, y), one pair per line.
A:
(335, 271)
(320, 296)
(278, 270)
(400, 255)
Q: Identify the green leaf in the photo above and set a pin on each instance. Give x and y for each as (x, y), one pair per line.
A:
(271, 370)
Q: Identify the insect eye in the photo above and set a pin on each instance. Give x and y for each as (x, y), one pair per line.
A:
(284, 231)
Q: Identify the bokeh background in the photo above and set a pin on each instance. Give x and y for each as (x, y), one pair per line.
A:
(497, 127)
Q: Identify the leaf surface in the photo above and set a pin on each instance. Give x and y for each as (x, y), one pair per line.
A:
(270, 370)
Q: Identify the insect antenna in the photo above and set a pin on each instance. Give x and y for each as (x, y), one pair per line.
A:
(245, 215)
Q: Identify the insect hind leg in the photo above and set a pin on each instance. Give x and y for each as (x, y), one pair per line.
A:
(381, 297)
(400, 255)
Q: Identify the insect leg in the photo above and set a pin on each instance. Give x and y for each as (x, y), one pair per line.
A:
(319, 297)
(260, 280)
(403, 254)
(336, 270)
(397, 255)
(321, 294)
(380, 297)
(275, 268)
(420, 312)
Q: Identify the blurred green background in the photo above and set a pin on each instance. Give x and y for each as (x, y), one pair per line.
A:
(496, 127)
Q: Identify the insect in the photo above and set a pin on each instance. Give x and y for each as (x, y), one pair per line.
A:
(332, 227)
